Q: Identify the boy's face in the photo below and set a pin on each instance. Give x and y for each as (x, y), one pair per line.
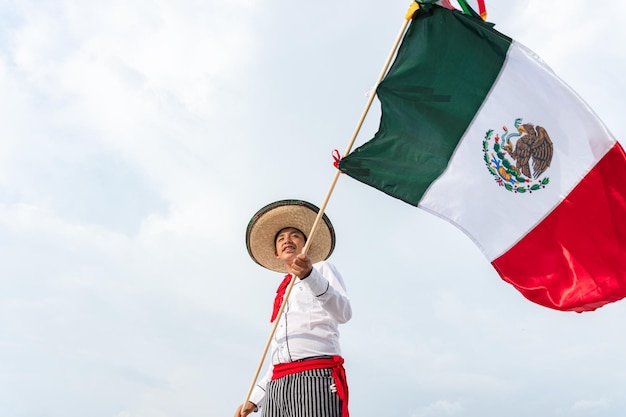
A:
(289, 244)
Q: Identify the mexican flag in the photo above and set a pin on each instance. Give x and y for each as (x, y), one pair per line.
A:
(477, 130)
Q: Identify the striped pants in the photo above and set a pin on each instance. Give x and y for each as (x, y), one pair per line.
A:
(305, 394)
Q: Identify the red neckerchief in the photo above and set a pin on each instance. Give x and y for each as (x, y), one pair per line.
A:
(280, 293)
(337, 371)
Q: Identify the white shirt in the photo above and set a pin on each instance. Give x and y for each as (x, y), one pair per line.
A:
(309, 325)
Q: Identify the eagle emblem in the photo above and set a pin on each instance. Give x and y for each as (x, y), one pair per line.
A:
(519, 165)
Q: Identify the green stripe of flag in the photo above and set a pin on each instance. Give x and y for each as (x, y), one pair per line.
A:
(441, 75)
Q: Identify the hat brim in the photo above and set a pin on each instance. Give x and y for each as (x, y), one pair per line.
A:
(268, 221)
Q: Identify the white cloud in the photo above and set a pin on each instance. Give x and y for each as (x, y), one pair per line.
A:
(143, 83)
(439, 408)
(29, 220)
(590, 405)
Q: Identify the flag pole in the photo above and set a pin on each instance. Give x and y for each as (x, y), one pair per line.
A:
(409, 15)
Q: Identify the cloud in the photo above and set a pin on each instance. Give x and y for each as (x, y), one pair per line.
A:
(439, 408)
(590, 405)
(126, 98)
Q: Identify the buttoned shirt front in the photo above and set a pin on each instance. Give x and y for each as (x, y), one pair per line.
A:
(309, 325)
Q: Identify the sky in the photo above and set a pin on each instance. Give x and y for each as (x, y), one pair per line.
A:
(137, 138)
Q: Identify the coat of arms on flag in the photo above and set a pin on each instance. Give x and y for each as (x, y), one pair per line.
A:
(518, 159)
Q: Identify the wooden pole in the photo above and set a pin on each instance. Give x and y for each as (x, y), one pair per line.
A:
(414, 6)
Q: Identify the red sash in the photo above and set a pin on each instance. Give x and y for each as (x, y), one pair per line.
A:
(337, 371)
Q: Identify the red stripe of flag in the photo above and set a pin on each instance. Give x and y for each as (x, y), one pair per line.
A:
(575, 259)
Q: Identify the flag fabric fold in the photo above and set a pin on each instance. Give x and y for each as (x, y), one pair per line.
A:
(479, 131)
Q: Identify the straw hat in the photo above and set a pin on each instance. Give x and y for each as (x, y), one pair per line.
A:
(267, 222)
